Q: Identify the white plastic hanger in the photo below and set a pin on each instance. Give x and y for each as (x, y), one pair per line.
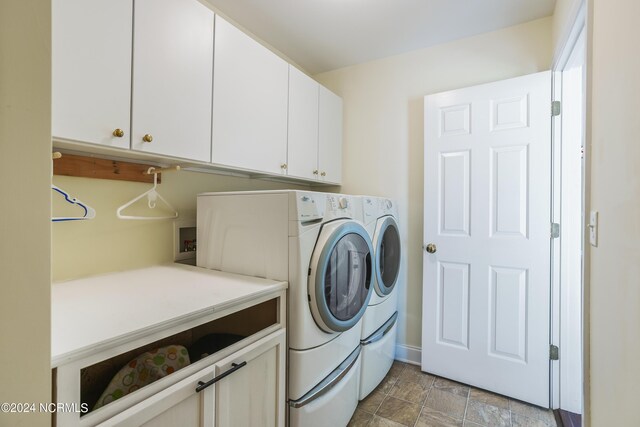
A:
(89, 212)
(152, 196)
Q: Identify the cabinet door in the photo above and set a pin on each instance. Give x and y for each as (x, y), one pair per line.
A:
(302, 144)
(91, 70)
(330, 136)
(255, 394)
(249, 103)
(177, 405)
(172, 78)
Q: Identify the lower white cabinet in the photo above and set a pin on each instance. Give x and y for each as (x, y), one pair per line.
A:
(255, 394)
(246, 388)
(135, 372)
(179, 404)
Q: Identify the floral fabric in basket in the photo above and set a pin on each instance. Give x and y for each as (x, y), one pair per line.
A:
(143, 370)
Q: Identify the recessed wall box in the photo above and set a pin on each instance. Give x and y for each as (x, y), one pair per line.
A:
(184, 240)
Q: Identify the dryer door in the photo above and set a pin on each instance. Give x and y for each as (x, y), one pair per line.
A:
(340, 275)
(387, 255)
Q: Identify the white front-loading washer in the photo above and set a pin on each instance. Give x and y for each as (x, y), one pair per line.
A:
(379, 323)
(315, 241)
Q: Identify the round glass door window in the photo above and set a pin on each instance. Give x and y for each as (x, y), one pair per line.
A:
(343, 277)
(387, 256)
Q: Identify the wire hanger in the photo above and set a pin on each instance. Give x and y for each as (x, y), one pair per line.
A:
(89, 212)
(152, 197)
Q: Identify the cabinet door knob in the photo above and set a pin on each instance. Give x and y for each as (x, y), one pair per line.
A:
(283, 166)
(118, 133)
(323, 174)
(315, 172)
(147, 138)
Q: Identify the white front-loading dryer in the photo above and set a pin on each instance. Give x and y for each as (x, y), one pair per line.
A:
(318, 242)
(379, 324)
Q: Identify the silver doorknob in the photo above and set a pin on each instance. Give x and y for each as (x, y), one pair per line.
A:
(431, 248)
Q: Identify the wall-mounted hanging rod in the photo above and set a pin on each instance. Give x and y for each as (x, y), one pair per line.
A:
(153, 170)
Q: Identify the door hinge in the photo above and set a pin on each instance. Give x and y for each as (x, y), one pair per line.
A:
(554, 352)
(555, 230)
(556, 108)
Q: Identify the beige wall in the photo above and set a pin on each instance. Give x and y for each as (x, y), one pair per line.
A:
(25, 168)
(218, 11)
(83, 248)
(383, 134)
(615, 192)
(563, 16)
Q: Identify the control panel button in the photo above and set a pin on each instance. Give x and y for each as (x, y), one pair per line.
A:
(343, 203)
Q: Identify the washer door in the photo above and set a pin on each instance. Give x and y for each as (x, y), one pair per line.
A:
(387, 255)
(340, 275)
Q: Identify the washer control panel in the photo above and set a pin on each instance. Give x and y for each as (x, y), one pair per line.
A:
(343, 202)
(339, 206)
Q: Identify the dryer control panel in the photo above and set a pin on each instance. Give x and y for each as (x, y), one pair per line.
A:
(386, 207)
(369, 209)
(309, 206)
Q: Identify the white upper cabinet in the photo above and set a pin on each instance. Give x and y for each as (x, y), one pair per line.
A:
(330, 137)
(302, 146)
(249, 103)
(91, 71)
(172, 78)
(143, 77)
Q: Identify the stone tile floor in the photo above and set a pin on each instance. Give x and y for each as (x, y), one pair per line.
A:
(408, 397)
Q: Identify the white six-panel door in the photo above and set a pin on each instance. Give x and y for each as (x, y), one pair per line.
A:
(486, 288)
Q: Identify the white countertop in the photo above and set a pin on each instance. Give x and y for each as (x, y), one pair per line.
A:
(91, 311)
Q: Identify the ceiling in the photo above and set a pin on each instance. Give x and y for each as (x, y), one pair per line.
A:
(323, 35)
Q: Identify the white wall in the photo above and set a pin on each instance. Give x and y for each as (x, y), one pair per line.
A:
(25, 171)
(383, 127)
(614, 286)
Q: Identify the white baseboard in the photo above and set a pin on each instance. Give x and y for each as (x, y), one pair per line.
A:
(409, 354)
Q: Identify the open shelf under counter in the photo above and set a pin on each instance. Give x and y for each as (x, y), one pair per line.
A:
(100, 323)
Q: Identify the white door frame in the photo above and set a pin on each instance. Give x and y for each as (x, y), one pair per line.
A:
(567, 45)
